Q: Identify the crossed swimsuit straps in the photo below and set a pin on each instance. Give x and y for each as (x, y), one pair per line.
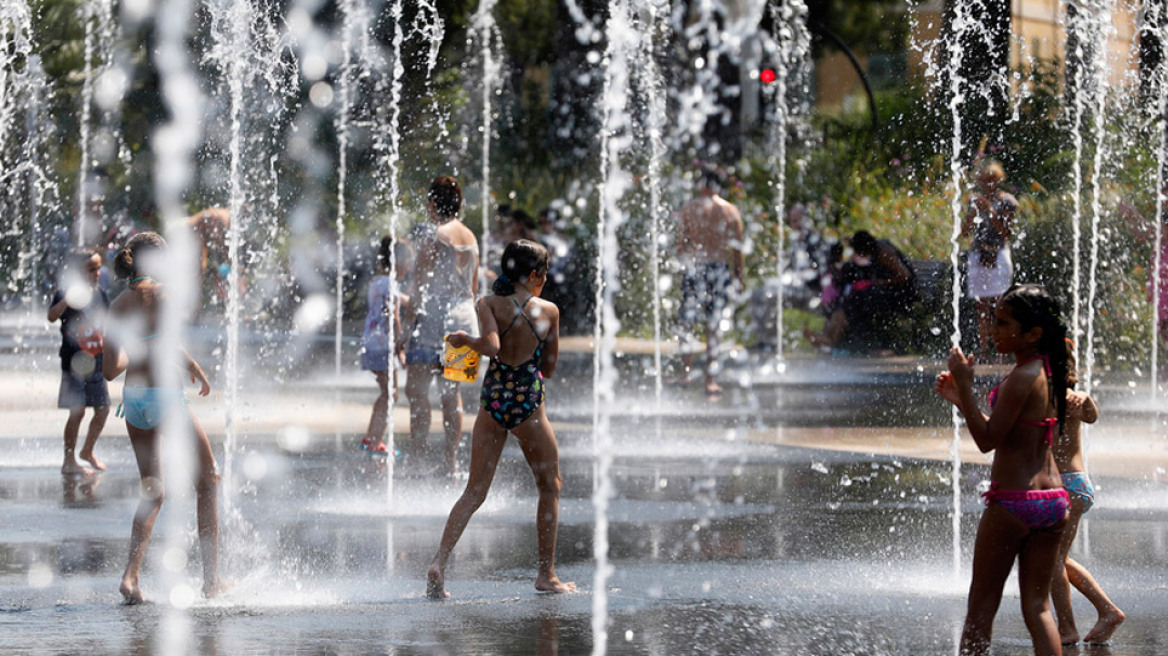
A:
(1036, 509)
(512, 393)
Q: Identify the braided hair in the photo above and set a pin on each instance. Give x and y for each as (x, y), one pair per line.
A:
(521, 258)
(1031, 306)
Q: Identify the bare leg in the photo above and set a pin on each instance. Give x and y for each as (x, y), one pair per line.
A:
(486, 446)
(1036, 564)
(451, 422)
(207, 510)
(96, 425)
(1060, 587)
(712, 387)
(538, 441)
(72, 427)
(999, 538)
(145, 445)
(418, 394)
(1110, 616)
(379, 420)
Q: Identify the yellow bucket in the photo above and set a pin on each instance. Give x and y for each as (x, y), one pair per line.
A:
(461, 364)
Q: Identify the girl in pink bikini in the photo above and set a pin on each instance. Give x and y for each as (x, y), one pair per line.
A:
(1026, 506)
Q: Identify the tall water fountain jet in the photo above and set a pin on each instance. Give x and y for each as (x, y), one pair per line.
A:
(247, 50)
(174, 142)
(484, 37)
(961, 22)
(792, 44)
(98, 18)
(1103, 30)
(27, 184)
(616, 131)
(350, 29)
(1155, 26)
(655, 18)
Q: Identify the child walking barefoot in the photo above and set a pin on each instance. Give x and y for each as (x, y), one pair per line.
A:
(375, 347)
(1068, 454)
(512, 401)
(1026, 506)
(80, 305)
(133, 347)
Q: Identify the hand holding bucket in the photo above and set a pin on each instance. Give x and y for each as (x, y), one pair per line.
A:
(460, 363)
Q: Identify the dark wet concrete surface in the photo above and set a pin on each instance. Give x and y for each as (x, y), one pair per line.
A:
(720, 547)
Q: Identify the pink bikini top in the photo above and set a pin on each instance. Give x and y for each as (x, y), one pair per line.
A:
(1049, 422)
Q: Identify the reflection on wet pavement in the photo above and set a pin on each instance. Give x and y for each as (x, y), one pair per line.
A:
(720, 545)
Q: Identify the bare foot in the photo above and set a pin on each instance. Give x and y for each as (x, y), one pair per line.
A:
(1106, 626)
(436, 584)
(212, 590)
(1069, 639)
(553, 585)
(71, 468)
(713, 389)
(92, 459)
(131, 593)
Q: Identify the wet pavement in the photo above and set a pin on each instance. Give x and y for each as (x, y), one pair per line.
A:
(807, 513)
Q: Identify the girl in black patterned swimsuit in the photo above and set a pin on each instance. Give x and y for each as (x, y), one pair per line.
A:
(523, 353)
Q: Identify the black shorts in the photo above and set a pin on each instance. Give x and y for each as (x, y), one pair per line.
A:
(705, 293)
(91, 392)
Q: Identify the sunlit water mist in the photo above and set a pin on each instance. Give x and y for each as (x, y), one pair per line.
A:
(175, 142)
(622, 42)
(99, 39)
(792, 43)
(28, 188)
(962, 21)
(1156, 23)
(484, 39)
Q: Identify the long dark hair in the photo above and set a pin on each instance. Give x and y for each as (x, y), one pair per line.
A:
(1032, 305)
(520, 258)
(127, 261)
(385, 251)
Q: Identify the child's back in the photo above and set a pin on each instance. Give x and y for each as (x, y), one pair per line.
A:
(1068, 448)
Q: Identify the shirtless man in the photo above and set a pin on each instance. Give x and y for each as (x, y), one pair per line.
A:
(709, 247)
(210, 226)
(446, 263)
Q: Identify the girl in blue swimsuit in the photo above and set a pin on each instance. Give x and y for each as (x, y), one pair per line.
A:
(134, 345)
(1026, 506)
(523, 353)
(1068, 454)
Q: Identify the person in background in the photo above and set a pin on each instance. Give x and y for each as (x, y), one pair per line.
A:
(135, 346)
(80, 305)
(1068, 455)
(990, 219)
(384, 313)
(446, 261)
(878, 286)
(709, 250)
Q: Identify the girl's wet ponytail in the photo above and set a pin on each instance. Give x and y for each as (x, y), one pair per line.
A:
(1032, 305)
(521, 258)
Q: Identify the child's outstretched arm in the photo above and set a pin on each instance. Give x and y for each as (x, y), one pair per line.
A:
(487, 343)
(1089, 410)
